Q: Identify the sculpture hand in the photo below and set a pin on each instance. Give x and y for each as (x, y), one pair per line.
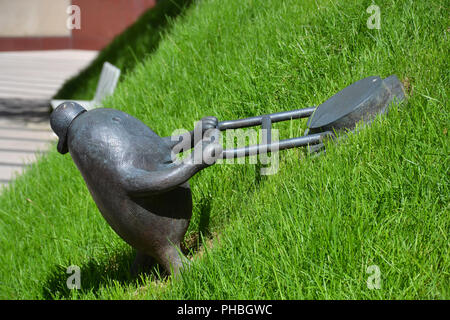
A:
(206, 123)
(189, 139)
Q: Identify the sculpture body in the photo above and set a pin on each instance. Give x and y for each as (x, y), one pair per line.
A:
(143, 195)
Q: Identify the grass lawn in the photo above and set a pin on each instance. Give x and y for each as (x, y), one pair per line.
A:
(381, 197)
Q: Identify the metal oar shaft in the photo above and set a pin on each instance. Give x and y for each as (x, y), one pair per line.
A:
(274, 117)
(276, 146)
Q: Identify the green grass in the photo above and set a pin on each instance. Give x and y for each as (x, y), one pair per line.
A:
(381, 197)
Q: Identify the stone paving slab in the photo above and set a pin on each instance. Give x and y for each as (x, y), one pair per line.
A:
(24, 146)
(28, 80)
(39, 74)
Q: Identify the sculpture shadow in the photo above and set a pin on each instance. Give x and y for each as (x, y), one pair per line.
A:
(205, 217)
(97, 274)
(193, 243)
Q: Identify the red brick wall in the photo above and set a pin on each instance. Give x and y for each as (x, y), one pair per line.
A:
(101, 21)
(34, 43)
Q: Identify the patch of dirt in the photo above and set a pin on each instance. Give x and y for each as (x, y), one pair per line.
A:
(409, 88)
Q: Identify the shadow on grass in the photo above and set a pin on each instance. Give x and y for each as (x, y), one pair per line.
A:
(192, 244)
(94, 275)
(116, 268)
(205, 216)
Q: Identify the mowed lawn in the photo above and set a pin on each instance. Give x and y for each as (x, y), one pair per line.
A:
(321, 227)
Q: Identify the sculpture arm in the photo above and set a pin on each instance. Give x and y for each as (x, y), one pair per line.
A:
(139, 182)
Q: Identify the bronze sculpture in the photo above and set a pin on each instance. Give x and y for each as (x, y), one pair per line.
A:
(140, 191)
(144, 194)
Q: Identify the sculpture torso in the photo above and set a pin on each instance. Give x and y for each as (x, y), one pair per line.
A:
(104, 144)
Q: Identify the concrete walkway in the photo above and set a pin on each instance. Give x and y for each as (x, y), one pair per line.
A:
(28, 80)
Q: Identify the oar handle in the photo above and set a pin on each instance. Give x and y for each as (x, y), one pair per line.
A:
(265, 121)
(276, 146)
(274, 117)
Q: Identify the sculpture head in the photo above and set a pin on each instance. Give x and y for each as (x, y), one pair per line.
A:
(61, 119)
